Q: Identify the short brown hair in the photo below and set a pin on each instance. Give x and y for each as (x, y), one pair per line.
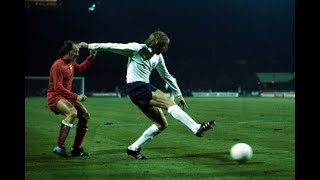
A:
(66, 47)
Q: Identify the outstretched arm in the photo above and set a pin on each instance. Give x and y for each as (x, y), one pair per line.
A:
(128, 49)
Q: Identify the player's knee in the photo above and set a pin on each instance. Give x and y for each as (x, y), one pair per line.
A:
(85, 115)
(163, 126)
(169, 103)
(72, 115)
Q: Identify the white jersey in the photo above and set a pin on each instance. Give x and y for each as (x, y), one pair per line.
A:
(141, 61)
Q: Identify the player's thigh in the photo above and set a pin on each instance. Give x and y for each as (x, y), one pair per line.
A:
(65, 107)
(159, 99)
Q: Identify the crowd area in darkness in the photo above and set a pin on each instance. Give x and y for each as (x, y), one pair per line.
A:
(208, 55)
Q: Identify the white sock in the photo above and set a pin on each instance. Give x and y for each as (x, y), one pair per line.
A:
(147, 135)
(183, 117)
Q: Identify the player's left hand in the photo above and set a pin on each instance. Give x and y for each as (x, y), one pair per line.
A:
(182, 102)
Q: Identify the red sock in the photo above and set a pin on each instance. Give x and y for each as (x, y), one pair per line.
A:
(63, 134)
(80, 133)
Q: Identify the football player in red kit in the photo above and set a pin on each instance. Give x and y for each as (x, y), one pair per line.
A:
(61, 100)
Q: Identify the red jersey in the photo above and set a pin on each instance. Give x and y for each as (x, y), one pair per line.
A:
(61, 77)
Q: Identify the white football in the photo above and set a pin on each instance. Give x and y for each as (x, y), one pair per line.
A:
(241, 152)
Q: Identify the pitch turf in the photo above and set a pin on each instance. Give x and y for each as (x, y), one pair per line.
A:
(267, 124)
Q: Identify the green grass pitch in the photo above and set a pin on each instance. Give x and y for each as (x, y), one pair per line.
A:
(266, 124)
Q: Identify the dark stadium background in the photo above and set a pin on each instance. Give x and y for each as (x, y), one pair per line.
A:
(215, 44)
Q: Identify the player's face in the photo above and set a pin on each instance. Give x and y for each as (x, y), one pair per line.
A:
(74, 53)
(160, 48)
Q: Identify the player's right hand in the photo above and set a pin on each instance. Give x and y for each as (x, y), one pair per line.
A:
(83, 45)
(81, 97)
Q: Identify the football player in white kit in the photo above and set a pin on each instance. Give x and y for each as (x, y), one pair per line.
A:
(142, 59)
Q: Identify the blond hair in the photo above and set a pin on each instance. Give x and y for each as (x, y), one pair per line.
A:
(156, 38)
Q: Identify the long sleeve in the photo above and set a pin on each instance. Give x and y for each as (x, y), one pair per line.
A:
(84, 65)
(167, 77)
(128, 49)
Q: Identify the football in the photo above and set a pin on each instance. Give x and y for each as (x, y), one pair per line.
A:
(241, 152)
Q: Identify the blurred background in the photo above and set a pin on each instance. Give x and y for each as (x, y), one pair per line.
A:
(241, 46)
